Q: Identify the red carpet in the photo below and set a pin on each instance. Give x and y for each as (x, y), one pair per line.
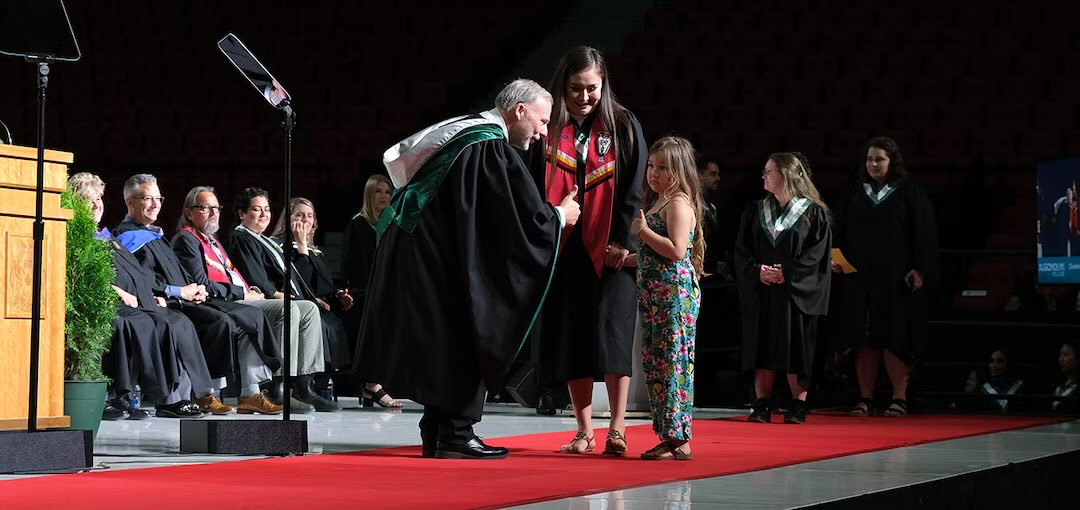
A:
(399, 478)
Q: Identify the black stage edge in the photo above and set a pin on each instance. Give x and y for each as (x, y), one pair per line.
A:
(244, 437)
(45, 450)
(1046, 482)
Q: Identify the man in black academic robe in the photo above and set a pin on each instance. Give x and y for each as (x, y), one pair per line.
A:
(175, 354)
(467, 248)
(225, 329)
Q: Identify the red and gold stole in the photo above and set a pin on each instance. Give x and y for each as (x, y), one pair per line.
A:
(597, 195)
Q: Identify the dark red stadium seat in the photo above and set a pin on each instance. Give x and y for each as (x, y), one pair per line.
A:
(951, 147)
(824, 117)
(780, 117)
(1008, 116)
(959, 115)
(1040, 144)
(974, 90)
(914, 115)
(738, 116)
(807, 141)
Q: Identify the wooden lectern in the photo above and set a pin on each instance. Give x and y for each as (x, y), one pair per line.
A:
(18, 183)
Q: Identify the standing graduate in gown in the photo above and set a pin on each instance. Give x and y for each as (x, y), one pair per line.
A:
(596, 145)
(466, 251)
(886, 229)
(782, 264)
(358, 251)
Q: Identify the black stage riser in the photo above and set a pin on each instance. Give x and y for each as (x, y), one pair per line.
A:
(45, 450)
(1046, 482)
(244, 437)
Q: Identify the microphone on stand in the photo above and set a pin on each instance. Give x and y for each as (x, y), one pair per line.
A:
(6, 130)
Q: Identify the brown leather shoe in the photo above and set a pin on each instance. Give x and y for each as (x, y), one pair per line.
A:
(257, 403)
(211, 404)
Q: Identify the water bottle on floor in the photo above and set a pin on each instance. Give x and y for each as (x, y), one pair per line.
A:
(328, 391)
(135, 397)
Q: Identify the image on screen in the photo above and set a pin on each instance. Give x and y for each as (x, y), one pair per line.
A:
(1057, 224)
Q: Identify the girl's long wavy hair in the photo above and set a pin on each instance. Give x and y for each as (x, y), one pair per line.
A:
(679, 155)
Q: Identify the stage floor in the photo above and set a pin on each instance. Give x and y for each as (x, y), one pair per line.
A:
(155, 442)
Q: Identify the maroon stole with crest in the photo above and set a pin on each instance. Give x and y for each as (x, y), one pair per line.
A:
(597, 196)
(216, 268)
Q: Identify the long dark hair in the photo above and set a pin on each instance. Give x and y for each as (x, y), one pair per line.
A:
(614, 116)
(897, 170)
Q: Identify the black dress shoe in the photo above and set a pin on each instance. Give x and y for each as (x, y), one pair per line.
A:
(796, 415)
(316, 401)
(471, 449)
(111, 413)
(428, 443)
(181, 409)
(761, 411)
(124, 404)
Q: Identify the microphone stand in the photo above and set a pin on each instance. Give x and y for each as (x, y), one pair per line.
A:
(287, 123)
(39, 237)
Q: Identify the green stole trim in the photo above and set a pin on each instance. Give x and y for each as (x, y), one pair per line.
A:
(408, 202)
(877, 198)
(775, 222)
(543, 297)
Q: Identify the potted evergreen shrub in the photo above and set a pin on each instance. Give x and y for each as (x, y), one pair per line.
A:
(91, 309)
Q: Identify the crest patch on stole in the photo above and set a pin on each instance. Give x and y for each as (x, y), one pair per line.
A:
(603, 143)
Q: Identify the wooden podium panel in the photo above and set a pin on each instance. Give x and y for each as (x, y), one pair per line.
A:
(18, 182)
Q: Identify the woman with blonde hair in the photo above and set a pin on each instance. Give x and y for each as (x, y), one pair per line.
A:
(356, 258)
(782, 263)
(669, 265)
(359, 244)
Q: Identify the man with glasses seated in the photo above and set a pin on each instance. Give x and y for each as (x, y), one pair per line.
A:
(228, 332)
(204, 258)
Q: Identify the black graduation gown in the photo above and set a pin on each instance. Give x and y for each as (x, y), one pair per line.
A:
(176, 343)
(220, 323)
(356, 258)
(254, 260)
(780, 321)
(317, 282)
(884, 242)
(357, 253)
(449, 303)
(588, 322)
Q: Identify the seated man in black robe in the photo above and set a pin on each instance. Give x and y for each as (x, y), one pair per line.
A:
(467, 248)
(152, 345)
(229, 332)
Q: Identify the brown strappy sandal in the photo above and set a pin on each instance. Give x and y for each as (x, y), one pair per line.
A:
(590, 444)
(660, 451)
(615, 444)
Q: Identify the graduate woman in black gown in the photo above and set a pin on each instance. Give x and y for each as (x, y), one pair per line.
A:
(886, 229)
(783, 277)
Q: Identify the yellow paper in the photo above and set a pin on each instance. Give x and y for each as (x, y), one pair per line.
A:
(845, 266)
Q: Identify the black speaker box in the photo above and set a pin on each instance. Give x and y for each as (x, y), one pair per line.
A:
(244, 437)
(45, 450)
